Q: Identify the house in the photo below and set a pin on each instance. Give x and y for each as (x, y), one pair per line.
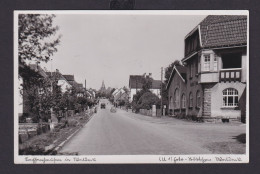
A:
(216, 58)
(176, 87)
(136, 83)
(121, 96)
(70, 79)
(93, 93)
(26, 75)
(62, 81)
(78, 86)
(81, 91)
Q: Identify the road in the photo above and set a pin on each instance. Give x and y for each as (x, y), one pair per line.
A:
(126, 133)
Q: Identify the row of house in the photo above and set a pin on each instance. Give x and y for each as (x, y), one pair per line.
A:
(120, 96)
(213, 76)
(66, 82)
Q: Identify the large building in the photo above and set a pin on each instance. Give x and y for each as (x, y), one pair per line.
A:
(216, 67)
(62, 82)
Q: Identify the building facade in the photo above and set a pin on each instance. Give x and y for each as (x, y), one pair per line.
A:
(216, 62)
(136, 83)
(177, 91)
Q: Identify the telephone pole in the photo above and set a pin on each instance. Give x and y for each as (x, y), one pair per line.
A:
(161, 90)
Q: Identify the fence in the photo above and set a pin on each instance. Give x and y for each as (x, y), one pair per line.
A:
(149, 112)
(29, 130)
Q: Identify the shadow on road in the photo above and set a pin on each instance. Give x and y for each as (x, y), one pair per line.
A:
(241, 138)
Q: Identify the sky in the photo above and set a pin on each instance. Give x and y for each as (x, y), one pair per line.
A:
(111, 47)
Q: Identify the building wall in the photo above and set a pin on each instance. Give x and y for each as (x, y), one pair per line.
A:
(217, 100)
(176, 82)
(64, 85)
(193, 86)
(156, 92)
(132, 93)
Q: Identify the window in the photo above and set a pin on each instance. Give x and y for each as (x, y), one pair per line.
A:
(176, 99)
(191, 100)
(215, 63)
(206, 62)
(231, 60)
(230, 97)
(171, 103)
(191, 69)
(198, 99)
(183, 101)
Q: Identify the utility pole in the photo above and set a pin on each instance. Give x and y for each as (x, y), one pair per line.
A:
(161, 90)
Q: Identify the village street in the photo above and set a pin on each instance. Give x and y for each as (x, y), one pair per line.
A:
(127, 133)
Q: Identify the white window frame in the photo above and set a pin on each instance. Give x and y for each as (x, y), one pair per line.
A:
(206, 64)
(215, 64)
(226, 94)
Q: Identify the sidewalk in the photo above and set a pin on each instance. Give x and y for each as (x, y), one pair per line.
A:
(174, 121)
(50, 142)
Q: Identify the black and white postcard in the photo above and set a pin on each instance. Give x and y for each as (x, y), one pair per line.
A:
(132, 87)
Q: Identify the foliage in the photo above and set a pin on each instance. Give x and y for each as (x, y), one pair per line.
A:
(34, 33)
(39, 98)
(147, 100)
(147, 83)
(169, 69)
(122, 103)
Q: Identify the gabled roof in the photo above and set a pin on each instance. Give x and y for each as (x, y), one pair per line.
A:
(223, 30)
(80, 85)
(136, 81)
(56, 74)
(156, 84)
(69, 77)
(38, 69)
(180, 70)
(218, 31)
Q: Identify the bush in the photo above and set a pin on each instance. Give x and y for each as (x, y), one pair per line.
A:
(147, 100)
(72, 122)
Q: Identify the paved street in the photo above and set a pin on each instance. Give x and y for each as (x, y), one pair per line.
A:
(126, 133)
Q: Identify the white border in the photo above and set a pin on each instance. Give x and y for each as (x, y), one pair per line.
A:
(126, 159)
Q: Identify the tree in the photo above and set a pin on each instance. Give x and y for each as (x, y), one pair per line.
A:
(38, 98)
(147, 100)
(147, 83)
(34, 37)
(169, 69)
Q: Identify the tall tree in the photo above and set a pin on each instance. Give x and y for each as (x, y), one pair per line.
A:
(35, 40)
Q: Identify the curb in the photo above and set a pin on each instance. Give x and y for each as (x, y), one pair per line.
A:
(57, 148)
